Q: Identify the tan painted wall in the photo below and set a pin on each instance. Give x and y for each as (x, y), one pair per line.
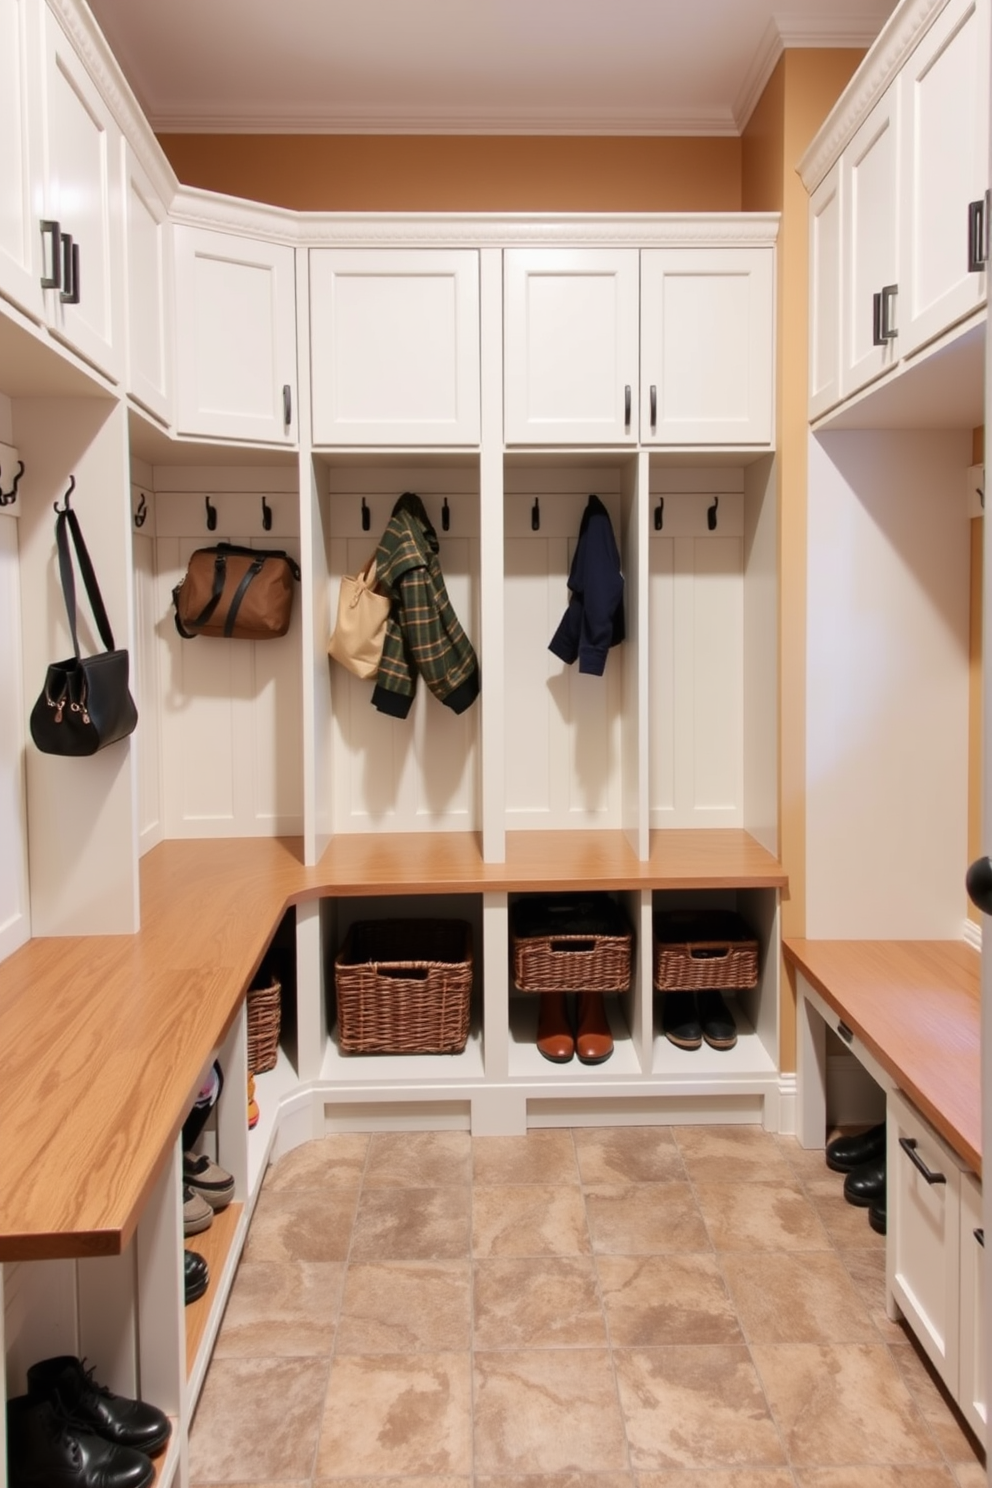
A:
(464, 173)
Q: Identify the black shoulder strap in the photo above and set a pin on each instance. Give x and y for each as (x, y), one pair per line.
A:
(67, 575)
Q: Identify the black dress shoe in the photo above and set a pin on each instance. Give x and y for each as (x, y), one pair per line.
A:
(719, 1028)
(845, 1153)
(877, 1216)
(74, 1392)
(44, 1450)
(865, 1185)
(196, 1275)
(680, 1020)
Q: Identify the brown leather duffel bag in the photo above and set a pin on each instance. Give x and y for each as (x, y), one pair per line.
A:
(245, 594)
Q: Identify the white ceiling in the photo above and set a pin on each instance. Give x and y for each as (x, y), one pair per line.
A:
(465, 66)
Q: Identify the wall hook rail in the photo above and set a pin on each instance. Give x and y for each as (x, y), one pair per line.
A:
(535, 516)
(142, 512)
(366, 516)
(65, 498)
(6, 497)
(711, 514)
(659, 514)
(211, 514)
(266, 515)
(445, 515)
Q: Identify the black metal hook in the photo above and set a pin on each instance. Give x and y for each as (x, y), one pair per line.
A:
(211, 514)
(65, 498)
(711, 514)
(6, 497)
(366, 516)
(659, 514)
(266, 515)
(535, 516)
(445, 515)
(979, 490)
(142, 512)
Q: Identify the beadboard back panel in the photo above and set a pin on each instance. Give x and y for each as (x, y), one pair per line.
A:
(15, 923)
(145, 672)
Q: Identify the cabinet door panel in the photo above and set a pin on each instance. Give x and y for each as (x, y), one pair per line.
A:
(944, 108)
(707, 335)
(870, 191)
(149, 291)
(395, 346)
(15, 927)
(825, 237)
(20, 171)
(971, 1376)
(235, 336)
(570, 346)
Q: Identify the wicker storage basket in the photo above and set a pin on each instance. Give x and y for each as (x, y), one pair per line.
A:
(264, 1019)
(705, 948)
(570, 943)
(404, 987)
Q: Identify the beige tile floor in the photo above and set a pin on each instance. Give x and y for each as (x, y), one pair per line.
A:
(629, 1307)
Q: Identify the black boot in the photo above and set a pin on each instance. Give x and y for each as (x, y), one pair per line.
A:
(45, 1451)
(74, 1392)
(865, 1185)
(845, 1153)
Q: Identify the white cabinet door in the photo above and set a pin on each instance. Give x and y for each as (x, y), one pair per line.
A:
(944, 112)
(570, 346)
(235, 337)
(971, 1375)
(395, 346)
(149, 292)
(707, 339)
(83, 175)
(870, 271)
(825, 237)
(20, 130)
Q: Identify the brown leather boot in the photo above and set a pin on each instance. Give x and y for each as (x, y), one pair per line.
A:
(554, 1032)
(594, 1041)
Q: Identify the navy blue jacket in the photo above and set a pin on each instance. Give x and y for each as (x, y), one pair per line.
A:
(593, 621)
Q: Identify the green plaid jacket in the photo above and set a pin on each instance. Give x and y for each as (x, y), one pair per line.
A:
(423, 634)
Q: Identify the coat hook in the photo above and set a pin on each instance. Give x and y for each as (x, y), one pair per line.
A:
(366, 516)
(211, 515)
(266, 515)
(659, 514)
(142, 512)
(979, 491)
(65, 498)
(445, 515)
(711, 514)
(535, 516)
(6, 497)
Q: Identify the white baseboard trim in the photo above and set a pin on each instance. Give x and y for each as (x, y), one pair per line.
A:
(972, 934)
(788, 1103)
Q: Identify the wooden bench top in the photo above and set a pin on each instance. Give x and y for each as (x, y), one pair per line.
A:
(104, 1037)
(915, 1004)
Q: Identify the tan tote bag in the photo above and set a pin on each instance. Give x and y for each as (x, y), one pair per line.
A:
(360, 630)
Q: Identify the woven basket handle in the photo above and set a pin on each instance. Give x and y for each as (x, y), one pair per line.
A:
(570, 947)
(709, 953)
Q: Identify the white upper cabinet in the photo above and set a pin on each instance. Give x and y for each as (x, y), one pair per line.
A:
(944, 236)
(707, 346)
(83, 247)
(235, 337)
(395, 346)
(870, 259)
(825, 237)
(20, 130)
(570, 345)
(149, 292)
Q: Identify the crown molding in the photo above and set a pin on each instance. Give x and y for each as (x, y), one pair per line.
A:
(787, 30)
(375, 120)
(895, 44)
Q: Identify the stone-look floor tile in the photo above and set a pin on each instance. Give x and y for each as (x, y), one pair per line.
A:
(615, 1155)
(866, 1268)
(876, 1477)
(538, 1302)
(257, 1420)
(419, 1159)
(790, 1297)
(558, 1480)
(542, 1156)
(302, 1226)
(969, 1475)
(655, 1300)
(731, 1154)
(733, 1477)
(281, 1309)
(805, 1162)
(395, 1414)
(412, 1224)
(843, 1405)
(327, 1162)
(406, 1307)
(529, 1220)
(760, 1216)
(444, 1480)
(950, 1430)
(547, 1411)
(695, 1406)
(645, 1219)
(845, 1223)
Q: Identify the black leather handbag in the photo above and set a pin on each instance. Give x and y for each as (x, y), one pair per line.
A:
(86, 701)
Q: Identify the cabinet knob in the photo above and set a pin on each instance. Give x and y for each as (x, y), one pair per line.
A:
(882, 328)
(54, 230)
(654, 407)
(69, 293)
(978, 882)
(626, 406)
(978, 248)
(287, 404)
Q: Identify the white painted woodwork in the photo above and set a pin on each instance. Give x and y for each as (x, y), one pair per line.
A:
(972, 1393)
(15, 921)
(20, 165)
(707, 346)
(84, 194)
(760, 624)
(394, 346)
(150, 316)
(235, 336)
(419, 773)
(887, 684)
(944, 163)
(492, 598)
(870, 261)
(146, 683)
(923, 1244)
(570, 345)
(826, 228)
